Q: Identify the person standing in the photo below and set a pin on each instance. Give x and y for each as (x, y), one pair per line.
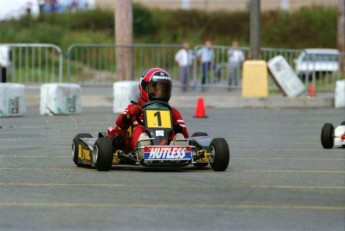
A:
(41, 6)
(184, 59)
(206, 56)
(28, 7)
(154, 84)
(235, 60)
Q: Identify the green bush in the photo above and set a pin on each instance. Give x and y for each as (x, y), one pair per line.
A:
(143, 23)
(308, 27)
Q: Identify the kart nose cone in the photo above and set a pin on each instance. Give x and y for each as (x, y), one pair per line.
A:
(342, 137)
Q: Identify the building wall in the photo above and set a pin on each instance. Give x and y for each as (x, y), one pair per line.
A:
(228, 5)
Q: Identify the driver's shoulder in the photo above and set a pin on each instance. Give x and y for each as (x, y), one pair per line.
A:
(174, 109)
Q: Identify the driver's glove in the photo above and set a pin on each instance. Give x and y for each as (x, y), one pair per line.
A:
(136, 111)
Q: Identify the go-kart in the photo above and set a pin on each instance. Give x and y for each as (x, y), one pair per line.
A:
(156, 150)
(331, 137)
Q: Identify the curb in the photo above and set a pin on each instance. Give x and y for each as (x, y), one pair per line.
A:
(213, 102)
(241, 102)
(103, 97)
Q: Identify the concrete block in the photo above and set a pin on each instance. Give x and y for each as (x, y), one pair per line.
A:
(124, 92)
(255, 79)
(60, 99)
(12, 101)
(339, 95)
(285, 78)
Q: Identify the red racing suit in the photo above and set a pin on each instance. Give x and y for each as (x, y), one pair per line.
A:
(122, 124)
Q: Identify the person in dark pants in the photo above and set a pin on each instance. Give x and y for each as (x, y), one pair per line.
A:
(206, 56)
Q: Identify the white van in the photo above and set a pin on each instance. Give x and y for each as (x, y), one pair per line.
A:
(318, 61)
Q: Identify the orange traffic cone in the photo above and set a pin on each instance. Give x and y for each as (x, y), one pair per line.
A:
(312, 92)
(200, 111)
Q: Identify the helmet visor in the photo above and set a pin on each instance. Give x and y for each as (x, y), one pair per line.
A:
(159, 90)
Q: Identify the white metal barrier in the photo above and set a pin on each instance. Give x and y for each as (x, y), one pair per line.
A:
(33, 63)
(90, 64)
(96, 63)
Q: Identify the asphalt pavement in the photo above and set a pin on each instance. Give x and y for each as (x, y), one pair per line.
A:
(279, 177)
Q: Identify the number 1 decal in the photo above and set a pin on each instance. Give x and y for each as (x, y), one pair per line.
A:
(158, 115)
(158, 119)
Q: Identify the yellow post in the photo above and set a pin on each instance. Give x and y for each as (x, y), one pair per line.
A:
(255, 79)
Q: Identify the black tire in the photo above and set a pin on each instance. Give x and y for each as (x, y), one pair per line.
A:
(221, 158)
(195, 134)
(102, 154)
(342, 123)
(75, 145)
(327, 139)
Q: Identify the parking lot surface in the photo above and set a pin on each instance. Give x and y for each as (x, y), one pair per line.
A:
(279, 177)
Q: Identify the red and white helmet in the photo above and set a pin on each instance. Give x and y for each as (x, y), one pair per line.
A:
(155, 84)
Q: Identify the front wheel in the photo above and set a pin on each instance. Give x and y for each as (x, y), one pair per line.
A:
(327, 139)
(102, 154)
(221, 154)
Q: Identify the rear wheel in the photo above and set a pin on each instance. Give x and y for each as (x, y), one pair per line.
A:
(102, 154)
(327, 139)
(221, 154)
(75, 146)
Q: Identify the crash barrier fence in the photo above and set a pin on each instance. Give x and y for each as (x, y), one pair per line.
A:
(31, 63)
(95, 64)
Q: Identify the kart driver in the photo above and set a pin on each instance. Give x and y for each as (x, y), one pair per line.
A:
(155, 84)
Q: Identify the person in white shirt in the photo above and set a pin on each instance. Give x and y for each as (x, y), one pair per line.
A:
(235, 60)
(184, 59)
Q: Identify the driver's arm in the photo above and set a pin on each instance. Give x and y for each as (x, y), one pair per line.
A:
(124, 120)
(179, 125)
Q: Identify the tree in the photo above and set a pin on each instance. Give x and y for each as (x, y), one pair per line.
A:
(341, 33)
(124, 39)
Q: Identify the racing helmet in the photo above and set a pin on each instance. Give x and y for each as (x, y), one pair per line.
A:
(155, 84)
